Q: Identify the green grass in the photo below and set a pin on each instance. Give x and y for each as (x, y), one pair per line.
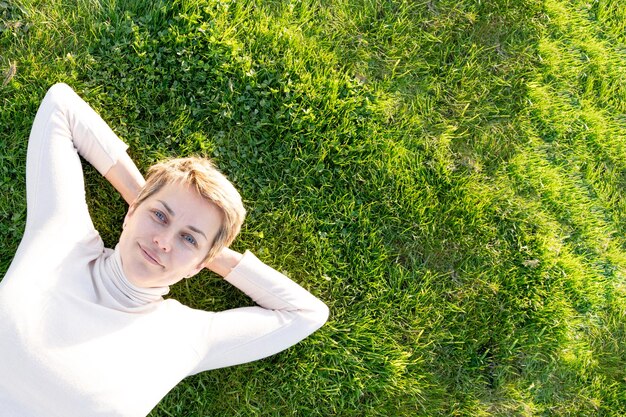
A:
(448, 176)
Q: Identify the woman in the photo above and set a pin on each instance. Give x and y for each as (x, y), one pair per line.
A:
(84, 330)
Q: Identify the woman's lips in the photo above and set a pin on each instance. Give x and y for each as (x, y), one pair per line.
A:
(150, 257)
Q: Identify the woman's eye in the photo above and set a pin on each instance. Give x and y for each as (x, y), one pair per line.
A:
(160, 216)
(189, 239)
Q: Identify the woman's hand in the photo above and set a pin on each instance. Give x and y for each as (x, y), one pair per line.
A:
(224, 262)
(126, 178)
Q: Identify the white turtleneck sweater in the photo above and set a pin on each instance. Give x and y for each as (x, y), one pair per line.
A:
(76, 337)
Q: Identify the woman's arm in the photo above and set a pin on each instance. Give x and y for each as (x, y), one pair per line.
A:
(65, 126)
(285, 314)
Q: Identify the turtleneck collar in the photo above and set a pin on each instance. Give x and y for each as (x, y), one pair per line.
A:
(116, 291)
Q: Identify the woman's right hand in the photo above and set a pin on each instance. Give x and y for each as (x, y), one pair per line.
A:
(126, 178)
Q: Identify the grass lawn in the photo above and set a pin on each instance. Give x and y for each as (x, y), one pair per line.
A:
(447, 175)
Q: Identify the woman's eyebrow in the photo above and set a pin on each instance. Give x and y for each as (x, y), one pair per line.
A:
(171, 212)
(198, 231)
(168, 208)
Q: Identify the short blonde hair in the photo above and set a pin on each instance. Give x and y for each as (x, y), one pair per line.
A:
(211, 184)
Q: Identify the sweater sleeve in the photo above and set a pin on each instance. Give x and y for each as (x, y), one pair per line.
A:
(286, 314)
(64, 127)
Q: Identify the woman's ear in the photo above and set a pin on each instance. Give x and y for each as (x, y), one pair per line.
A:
(195, 271)
(129, 213)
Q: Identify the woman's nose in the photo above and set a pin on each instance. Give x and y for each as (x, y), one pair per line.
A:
(163, 241)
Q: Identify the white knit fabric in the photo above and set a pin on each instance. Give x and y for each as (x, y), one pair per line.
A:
(76, 337)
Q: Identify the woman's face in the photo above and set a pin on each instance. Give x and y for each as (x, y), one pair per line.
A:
(167, 236)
